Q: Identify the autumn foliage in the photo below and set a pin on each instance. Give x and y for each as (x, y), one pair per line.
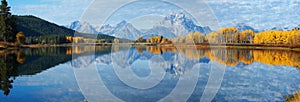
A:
(224, 35)
(278, 37)
(195, 37)
(20, 37)
(157, 40)
(234, 36)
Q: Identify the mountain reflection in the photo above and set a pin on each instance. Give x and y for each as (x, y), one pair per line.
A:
(30, 61)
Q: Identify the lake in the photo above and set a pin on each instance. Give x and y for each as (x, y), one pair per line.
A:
(148, 73)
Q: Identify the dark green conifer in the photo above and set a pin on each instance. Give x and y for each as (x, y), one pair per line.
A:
(7, 23)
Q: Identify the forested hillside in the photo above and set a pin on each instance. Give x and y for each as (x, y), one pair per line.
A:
(39, 31)
(34, 26)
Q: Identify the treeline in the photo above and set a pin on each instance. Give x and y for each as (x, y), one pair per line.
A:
(154, 40)
(34, 26)
(196, 37)
(278, 37)
(59, 39)
(233, 36)
(224, 35)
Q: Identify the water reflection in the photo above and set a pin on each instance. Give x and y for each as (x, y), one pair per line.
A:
(247, 78)
(31, 61)
(232, 57)
(174, 61)
(8, 69)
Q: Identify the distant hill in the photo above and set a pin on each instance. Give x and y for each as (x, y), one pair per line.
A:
(34, 26)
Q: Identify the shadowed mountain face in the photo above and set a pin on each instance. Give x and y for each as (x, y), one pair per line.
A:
(34, 26)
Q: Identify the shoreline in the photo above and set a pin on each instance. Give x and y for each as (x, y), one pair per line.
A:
(236, 46)
(182, 45)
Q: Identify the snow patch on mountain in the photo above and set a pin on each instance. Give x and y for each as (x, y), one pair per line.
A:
(174, 25)
(83, 27)
(125, 30)
(181, 24)
(105, 29)
(243, 27)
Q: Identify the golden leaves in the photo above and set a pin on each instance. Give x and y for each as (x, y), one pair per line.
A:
(277, 37)
(195, 37)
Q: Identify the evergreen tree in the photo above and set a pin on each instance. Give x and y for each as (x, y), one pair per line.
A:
(7, 23)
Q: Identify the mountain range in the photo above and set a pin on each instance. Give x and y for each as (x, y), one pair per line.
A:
(84, 27)
(243, 27)
(174, 25)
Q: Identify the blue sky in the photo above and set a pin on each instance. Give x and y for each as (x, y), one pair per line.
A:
(58, 11)
(260, 14)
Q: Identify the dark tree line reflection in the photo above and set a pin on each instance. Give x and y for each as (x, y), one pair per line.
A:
(9, 61)
(30, 61)
(19, 62)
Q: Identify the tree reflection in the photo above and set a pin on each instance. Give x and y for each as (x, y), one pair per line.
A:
(231, 57)
(30, 61)
(8, 69)
(277, 57)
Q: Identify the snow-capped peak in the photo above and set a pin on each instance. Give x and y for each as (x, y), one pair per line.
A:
(181, 24)
(243, 27)
(105, 29)
(83, 27)
(173, 25)
(176, 19)
(125, 30)
(122, 23)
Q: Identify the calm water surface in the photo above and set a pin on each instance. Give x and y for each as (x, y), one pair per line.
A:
(51, 74)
